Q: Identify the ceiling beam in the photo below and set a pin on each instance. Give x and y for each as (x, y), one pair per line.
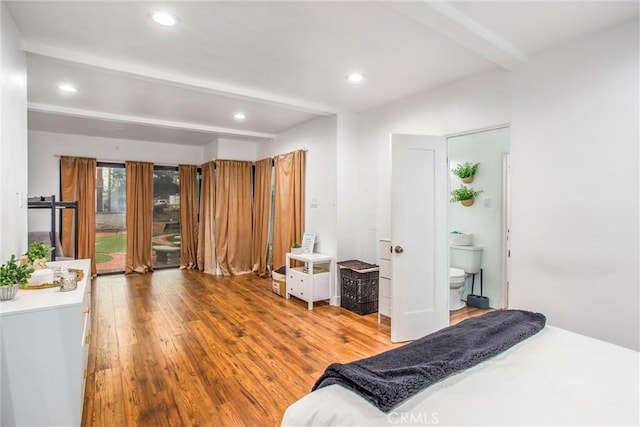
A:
(441, 16)
(122, 118)
(193, 83)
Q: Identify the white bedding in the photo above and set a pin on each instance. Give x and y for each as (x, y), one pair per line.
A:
(553, 378)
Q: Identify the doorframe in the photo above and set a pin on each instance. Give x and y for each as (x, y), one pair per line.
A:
(477, 130)
(506, 225)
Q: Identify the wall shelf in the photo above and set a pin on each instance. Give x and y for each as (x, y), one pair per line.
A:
(42, 202)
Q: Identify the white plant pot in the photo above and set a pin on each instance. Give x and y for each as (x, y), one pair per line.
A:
(8, 292)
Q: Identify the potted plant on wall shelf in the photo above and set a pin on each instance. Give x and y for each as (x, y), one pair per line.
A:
(12, 275)
(466, 171)
(465, 195)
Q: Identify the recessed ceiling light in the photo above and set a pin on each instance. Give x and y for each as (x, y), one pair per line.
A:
(355, 77)
(164, 18)
(239, 116)
(66, 87)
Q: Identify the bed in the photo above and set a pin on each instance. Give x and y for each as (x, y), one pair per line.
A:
(554, 377)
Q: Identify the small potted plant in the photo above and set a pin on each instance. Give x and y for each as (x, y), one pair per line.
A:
(12, 275)
(38, 254)
(466, 171)
(296, 248)
(465, 195)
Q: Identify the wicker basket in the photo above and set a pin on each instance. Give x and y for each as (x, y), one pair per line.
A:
(359, 290)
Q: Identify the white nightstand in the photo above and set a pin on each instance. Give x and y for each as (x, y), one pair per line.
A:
(303, 283)
(384, 292)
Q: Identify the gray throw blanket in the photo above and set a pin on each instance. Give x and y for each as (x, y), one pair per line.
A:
(388, 378)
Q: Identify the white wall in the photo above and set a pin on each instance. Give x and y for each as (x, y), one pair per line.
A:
(348, 184)
(210, 151)
(484, 218)
(13, 142)
(481, 101)
(44, 166)
(574, 196)
(575, 253)
(318, 137)
(229, 149)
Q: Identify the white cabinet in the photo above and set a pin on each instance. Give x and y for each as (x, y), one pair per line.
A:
(384, 290)
(45, 344)
(307, 284)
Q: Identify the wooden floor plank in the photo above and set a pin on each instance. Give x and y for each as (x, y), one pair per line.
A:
(178, 347)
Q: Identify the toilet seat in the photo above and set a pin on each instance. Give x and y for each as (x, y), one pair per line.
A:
(456, 273)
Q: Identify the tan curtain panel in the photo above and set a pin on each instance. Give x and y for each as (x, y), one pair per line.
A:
(261, 209)
(78, 182)
(289, 196)
(206, 238)
(233, 216)
(139, 216)
(188, 216)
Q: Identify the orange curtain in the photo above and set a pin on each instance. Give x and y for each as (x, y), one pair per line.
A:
(206, 238)
(288, 215)
(139, 216)
(188, 216)
(261, 209)
(233, 216)
(78, 182)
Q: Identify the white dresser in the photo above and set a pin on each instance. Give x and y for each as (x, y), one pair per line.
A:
(304, 283)
(45, 346)
(384, 290)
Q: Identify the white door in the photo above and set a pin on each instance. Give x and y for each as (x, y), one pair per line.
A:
(419, 236)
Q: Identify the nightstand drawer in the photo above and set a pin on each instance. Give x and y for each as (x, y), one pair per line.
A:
(385, 249)
(385, 268)
(385, 287)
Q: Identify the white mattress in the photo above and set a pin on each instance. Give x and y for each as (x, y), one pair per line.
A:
(554, 378)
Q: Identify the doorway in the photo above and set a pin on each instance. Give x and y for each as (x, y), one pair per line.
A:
(487, 219)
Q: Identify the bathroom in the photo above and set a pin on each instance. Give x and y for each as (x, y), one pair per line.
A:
(487, 219)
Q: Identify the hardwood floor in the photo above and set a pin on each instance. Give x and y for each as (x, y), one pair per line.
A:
(181, 348)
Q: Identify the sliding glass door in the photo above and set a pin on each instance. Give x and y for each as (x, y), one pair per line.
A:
(111, 209)
(166, 217)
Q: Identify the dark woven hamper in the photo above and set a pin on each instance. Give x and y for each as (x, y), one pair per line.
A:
(359, 290)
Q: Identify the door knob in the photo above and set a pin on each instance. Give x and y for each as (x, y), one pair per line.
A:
(399, 249)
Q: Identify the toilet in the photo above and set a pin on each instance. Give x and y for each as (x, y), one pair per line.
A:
(463, 261)
(456, 286)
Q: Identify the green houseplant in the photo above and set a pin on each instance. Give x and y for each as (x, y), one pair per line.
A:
(38, 253)
(12, 275)
(465, 195)
(296, 248)
(466, 171)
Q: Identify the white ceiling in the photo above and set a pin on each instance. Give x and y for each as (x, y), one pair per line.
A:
(281, 63)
